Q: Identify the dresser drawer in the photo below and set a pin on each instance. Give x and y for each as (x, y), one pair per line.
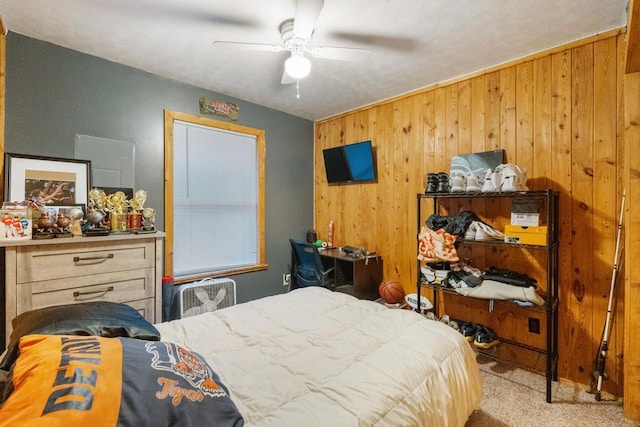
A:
(65, 261)
(114, 287)
(146, 307)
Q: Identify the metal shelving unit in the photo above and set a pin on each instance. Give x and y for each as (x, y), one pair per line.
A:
(550, 307)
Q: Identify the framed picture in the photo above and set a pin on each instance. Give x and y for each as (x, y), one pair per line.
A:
(476, 163)
(46, 180)
(15, 222)
(52, 212)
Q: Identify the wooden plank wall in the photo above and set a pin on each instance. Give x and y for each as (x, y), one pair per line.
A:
(560, 115)
(632, 216)
(632, 248)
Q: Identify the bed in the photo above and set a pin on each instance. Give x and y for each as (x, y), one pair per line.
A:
(310, 357)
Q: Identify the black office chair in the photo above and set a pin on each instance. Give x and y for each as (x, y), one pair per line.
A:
(308, 269)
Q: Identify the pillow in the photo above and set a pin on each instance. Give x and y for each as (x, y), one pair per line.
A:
(103, 318)
(91, 380)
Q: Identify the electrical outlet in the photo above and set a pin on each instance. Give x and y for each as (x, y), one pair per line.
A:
(534, 325)
(286, 279)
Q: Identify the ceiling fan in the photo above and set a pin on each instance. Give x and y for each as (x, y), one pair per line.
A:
(296, 37)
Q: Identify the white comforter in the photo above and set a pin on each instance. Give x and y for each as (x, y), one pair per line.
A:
(312, 357)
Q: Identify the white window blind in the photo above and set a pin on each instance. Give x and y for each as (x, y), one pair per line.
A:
(215, 199)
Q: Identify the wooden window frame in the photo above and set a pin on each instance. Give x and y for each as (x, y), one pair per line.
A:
(169, 118)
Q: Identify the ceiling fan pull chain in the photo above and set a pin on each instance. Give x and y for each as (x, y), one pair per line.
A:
(298, 88)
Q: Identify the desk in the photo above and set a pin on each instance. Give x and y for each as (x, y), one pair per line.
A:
(361, 275)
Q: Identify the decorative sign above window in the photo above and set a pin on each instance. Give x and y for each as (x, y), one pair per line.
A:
(220, 108)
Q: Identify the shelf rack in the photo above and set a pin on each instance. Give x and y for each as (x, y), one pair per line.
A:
(551, 302)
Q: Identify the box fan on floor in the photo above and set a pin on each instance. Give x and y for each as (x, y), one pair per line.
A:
(204, 296)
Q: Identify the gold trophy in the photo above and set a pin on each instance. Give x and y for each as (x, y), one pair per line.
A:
(148, 221)
(96, 214)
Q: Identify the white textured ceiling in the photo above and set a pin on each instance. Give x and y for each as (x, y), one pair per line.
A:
(415, 43)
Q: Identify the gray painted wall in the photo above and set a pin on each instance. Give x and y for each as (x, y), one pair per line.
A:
(53, 93)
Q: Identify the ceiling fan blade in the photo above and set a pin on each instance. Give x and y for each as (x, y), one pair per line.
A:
(398, 43)
(307, 13)
(341, 53)
(249, 46)
(287, 79)
(191, 13)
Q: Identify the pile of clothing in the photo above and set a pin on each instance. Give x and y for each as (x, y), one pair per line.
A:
(493, 283)
(437, 242)
(437, 238)
(503, 284)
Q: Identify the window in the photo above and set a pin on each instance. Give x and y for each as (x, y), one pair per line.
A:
(214, 197)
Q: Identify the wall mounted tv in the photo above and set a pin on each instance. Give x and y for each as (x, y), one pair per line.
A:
(350, 163)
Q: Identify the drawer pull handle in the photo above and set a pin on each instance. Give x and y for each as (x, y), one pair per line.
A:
(77, 294)
(92, 258)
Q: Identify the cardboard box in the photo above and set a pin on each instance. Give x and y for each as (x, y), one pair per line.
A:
(526, 235)
(525, 219)
(525, 213)
(16, 223)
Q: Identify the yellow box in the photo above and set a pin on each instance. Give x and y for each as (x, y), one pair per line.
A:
(526, 235)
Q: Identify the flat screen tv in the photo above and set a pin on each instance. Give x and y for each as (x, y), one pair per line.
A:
(350, 163)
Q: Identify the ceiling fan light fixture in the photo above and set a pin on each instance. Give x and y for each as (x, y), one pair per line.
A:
(297, 66)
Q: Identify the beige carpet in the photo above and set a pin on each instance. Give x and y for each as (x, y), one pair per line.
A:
(514, 397)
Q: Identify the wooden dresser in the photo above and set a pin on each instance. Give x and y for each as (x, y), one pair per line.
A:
(123, 268)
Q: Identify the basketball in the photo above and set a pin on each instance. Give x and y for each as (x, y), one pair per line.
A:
(391, 291)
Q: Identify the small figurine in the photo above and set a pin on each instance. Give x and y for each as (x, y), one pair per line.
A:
(61, 228)
(42, 225)
(77, 216)
(95, 218)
